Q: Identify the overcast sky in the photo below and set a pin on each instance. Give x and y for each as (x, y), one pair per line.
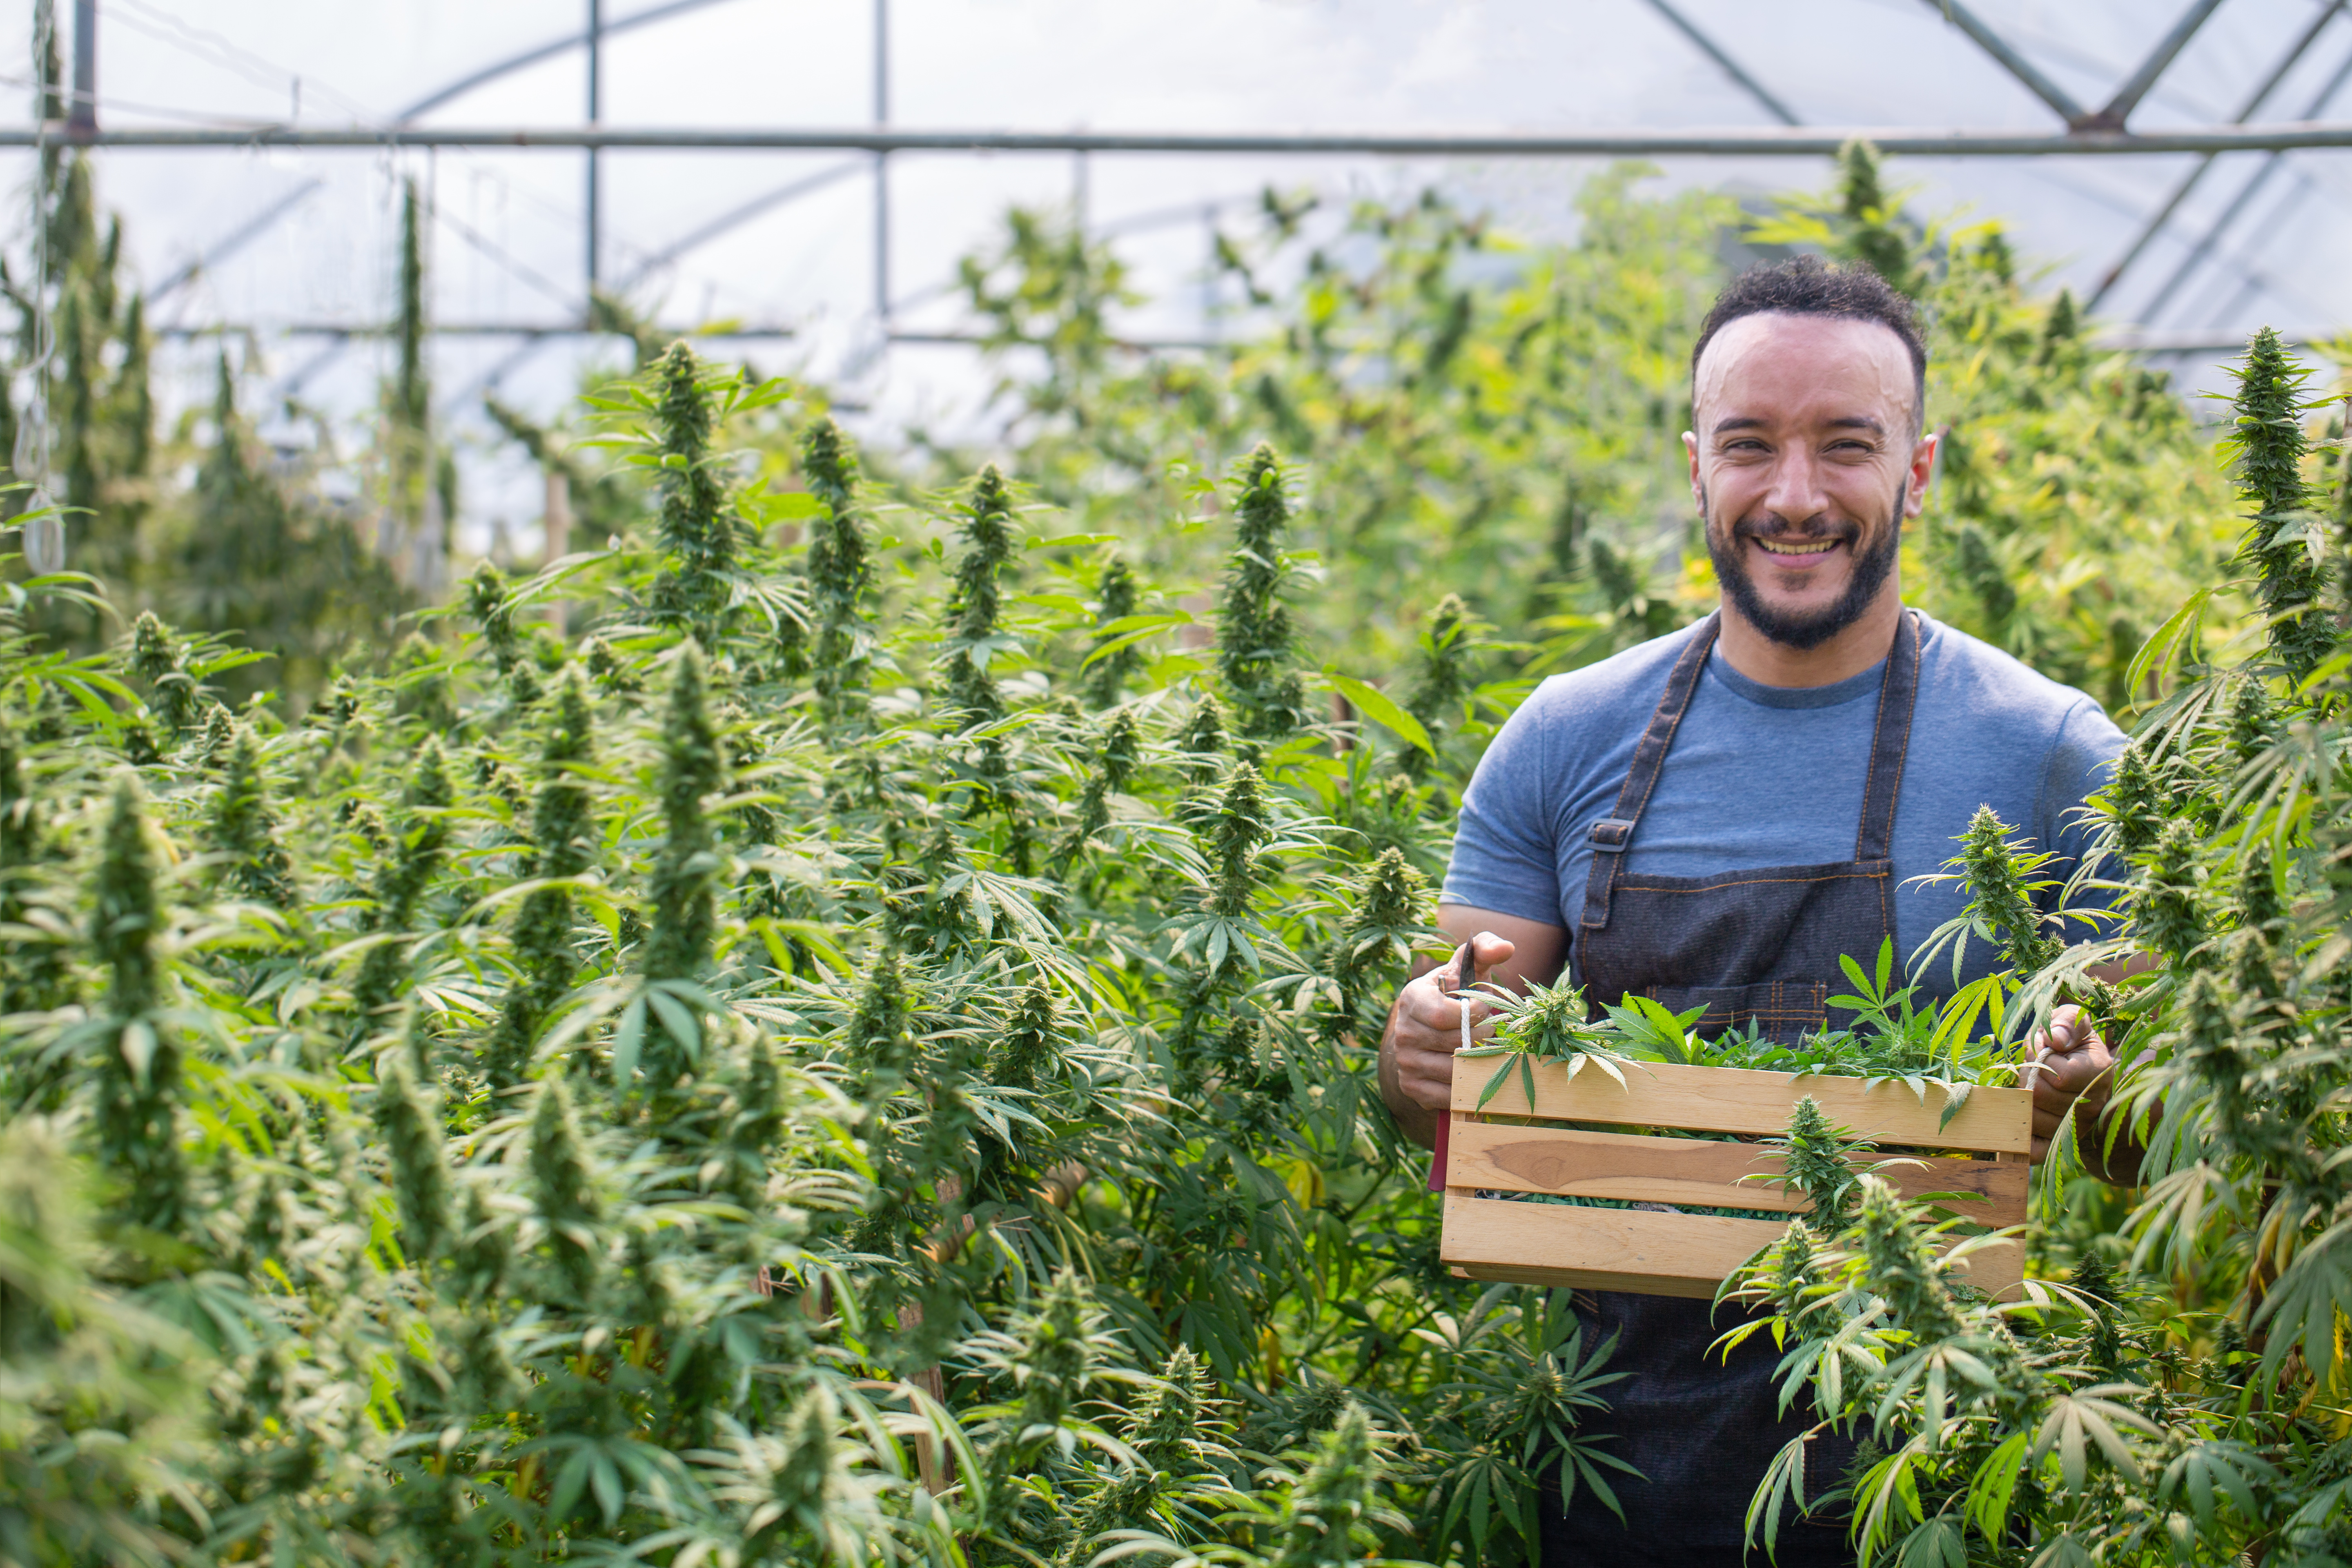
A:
(509, 247)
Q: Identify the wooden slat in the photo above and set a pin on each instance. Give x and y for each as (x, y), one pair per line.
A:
(1740, 1099)
(1606, 1249)
(1635, 1250)
(1689, 1171)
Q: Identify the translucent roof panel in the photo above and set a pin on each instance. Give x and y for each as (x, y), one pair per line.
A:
(286, 245)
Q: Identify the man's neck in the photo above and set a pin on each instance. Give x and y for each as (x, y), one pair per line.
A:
(1848, 654)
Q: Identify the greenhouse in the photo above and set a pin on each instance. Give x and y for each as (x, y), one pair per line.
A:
(1037, 783)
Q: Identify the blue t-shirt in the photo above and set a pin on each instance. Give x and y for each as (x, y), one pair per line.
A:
(1768, 775)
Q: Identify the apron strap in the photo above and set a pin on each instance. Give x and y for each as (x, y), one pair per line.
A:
(1890, 743)
(1612, 834)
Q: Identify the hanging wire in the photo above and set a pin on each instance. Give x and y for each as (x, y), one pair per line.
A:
(214, 49)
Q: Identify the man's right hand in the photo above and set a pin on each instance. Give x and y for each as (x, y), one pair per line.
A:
(1426, 1030)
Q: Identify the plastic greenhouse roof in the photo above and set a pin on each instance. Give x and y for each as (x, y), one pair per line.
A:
(509, 249)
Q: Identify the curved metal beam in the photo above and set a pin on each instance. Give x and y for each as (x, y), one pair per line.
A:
(2260, 95)
(546, 51)
(2246, 194)
(736, 218)
(238, 240)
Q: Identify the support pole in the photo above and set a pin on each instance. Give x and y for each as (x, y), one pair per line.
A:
(2159, 59)
(1729, 67)
(81, 117)
(2015, 64)
(882, 165)
(595, 218)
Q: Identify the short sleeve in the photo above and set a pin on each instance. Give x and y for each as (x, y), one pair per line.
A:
(1504, 854)
(2081, 758)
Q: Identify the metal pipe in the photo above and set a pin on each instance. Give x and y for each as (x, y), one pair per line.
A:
(2252, 187)
(81, 115)
(2193, 340)
(457, 330)
(1729, 67)
(2127, 97)
(1764, 141)
(595, 225)
(536, 330)
(2163, 216)
(2017, 65)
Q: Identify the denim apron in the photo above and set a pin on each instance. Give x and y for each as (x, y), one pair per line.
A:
(1760, 946)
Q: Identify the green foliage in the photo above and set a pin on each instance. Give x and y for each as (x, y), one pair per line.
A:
(1478, 414)
(1817, 1159)
(1999, 874)
(569, 1121)
(255, 556)
(419, 555)
(2268, 449)
(975, 603)
(563, 847)
(696, 1095)
(101, 1406)
(419, 847)
(247, 551)
(683, 902)
(243, 828)
(840, 570)
(1253, 630)
(83, 332)
(137, 1080)
(1873, 231)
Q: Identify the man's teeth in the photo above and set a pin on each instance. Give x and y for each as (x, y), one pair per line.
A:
(1796, 546)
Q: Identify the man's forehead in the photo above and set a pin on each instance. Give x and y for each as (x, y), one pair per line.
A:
(1862, 422)
(1786, 358)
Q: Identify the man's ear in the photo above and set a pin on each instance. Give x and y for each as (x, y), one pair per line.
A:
(1921, 472)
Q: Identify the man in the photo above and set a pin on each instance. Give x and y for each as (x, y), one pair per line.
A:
(1716, 817)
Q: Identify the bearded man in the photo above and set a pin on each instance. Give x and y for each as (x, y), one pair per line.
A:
(1713, 818)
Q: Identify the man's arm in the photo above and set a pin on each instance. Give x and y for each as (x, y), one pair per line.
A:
(1424, 1023)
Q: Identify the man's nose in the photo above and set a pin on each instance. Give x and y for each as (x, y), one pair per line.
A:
(1796, 491)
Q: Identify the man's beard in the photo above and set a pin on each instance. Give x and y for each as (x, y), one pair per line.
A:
(1802, 629)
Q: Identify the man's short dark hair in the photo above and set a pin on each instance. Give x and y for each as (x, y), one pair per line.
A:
(1808, 286)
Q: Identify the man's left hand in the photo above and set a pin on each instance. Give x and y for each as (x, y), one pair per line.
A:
(2076, 1071)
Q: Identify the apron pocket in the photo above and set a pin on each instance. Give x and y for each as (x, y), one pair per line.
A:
(1782, 1009)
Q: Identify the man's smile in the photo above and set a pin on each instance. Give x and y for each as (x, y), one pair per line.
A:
(1796, 552)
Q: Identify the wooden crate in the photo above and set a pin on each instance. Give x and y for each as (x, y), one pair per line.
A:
(1505, 1148)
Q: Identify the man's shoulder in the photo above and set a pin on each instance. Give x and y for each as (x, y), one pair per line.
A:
(1633, 678)
(1990, 687)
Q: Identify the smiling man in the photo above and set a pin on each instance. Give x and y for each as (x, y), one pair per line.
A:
(1715, 817)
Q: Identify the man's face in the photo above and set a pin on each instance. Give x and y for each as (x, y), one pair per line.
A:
(1804, 465)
